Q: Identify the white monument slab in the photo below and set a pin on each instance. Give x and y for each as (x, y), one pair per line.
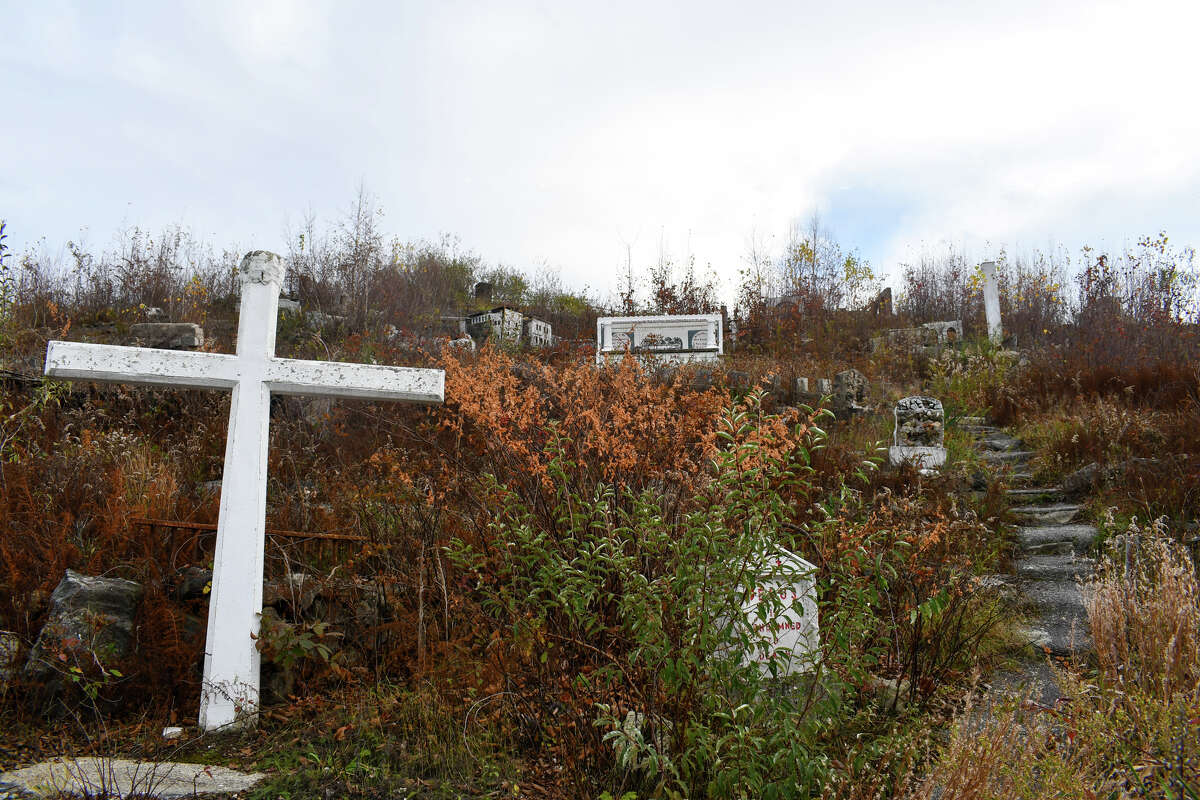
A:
(666, 339)
(991, 302)
(781, 606)
(229, 695)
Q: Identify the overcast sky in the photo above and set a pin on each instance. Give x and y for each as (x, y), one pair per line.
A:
(559, 133)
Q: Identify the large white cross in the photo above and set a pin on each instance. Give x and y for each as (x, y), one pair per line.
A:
(229, 696)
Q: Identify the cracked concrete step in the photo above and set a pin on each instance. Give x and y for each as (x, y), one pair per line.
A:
(1007, 456)
(1043, 539)
(1059, 622)
(1035, 493)
(1066, 566)
(1052, 514)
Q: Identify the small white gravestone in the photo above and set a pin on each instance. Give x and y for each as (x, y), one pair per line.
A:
(781, 605)
(919, 434)
(229, 694)
(991, 302)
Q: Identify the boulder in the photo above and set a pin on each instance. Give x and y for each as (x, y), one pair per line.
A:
(90, 618)
(168, 335)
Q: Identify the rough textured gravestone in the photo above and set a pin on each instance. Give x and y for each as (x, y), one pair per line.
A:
(782, 607)
(849, 393)
(89, 616)
(824, 387)
(229, 694)
(920, 430)
(801, 387)
(168, 335)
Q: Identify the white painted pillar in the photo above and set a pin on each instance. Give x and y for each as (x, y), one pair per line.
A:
(991, 302)
(230, 692)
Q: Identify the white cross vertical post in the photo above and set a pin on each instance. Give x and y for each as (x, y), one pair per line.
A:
(991, 302)
(229, 696)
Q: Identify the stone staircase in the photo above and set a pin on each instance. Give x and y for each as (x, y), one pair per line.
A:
(1052, 557)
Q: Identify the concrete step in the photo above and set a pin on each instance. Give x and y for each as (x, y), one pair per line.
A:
(1000, 442)
(1052, 514)
(1045, 539)
(1007, 457)
(1035, 493)
(1053, 567)
(1059, 622)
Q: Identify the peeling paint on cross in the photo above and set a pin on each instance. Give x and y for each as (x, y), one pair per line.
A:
(230, 693)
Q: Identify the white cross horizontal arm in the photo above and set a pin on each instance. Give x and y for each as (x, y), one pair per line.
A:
(117, 364)
(366, 381)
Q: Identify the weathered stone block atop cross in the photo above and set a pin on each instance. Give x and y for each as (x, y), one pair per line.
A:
(231, 661)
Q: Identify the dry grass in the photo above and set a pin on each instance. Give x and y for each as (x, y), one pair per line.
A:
(1144, 609)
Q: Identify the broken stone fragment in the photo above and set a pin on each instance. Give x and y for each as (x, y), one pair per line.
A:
(168, 335)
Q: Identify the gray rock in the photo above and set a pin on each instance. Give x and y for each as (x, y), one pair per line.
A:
(849, 393)
(823, 387)
(89, 617)
(168, 335)
(1078, 537)
(297, 591)
(1082, 480)
(155, 314)
(118, 777)
(969, 421)
(1055, 514)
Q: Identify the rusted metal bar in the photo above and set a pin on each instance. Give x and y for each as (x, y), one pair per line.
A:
(205, 526)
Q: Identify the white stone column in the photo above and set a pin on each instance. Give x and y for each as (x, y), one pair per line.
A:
(991, 302)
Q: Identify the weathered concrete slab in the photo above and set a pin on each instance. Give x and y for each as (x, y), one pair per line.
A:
(1000, 442)
(1007, 457)
(1064, 566)
(1035, 493)
(1052, 514)
(118, 777)
(1079, 537)
(1060, 624)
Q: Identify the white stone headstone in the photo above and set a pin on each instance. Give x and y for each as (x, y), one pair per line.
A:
(781, 607)
(229, 694)
(991, 302)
